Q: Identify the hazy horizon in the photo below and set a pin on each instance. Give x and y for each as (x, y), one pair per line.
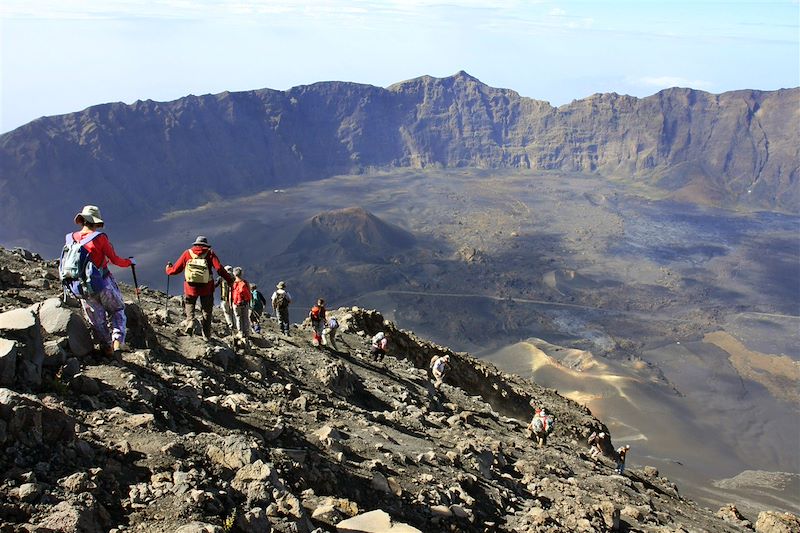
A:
(63, 56)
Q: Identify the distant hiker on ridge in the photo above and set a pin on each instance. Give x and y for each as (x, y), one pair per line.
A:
(197, 263)
(280, 304)
(83, 269)
(226, 304)
(317, 316)
(241, 305)
(256, 307)
(329, 333)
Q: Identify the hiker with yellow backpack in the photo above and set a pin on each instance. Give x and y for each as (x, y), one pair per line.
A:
(196, 263)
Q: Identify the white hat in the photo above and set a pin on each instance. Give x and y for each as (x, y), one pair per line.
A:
(90, 214)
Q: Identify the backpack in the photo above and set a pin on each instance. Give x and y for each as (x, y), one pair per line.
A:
(333, 324)
(77, 273)
(314, 314)
(537, 424)
(197, 270)
(549, 424)
(281, 300)
(378, 338)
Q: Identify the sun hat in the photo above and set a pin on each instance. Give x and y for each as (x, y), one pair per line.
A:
(228, 268)
(281, 285)
(237, 271)
(90, 214)
(201, 240)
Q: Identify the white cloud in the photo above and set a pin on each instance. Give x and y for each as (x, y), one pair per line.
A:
(557, 12)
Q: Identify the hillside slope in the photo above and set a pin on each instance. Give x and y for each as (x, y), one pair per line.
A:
(180, 435)
(736, 148)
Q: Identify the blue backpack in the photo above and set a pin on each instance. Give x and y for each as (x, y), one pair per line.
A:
(77, 273)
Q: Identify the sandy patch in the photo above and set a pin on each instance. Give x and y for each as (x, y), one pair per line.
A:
(778, 373)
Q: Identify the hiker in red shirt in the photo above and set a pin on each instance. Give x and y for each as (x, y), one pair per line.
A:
(100, 296)
(196, 263)
(241, 304)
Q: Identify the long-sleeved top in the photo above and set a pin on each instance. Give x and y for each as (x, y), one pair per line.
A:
(199, 289)
(100, 250)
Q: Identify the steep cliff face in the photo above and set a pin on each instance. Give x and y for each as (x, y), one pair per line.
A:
(736, 148)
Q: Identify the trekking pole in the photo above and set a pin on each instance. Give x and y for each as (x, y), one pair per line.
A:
(166, 300)
(135, 283)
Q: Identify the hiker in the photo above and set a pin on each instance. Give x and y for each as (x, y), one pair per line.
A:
(380, 343)
(440, 366)
(280, 304)
(242, 297)
(225, 300)
(329, 333)
(317, 316)
(196, 263)
(622, 452)
(257, 304)
(596, 443)
(540, 426)
(83, 269)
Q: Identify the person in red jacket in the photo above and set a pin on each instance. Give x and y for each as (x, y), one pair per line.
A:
(197, 263)
(105, 305)
(241, 304)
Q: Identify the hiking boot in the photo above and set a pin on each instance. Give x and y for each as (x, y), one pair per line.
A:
(120, 346)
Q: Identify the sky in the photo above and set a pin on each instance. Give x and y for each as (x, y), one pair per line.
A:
(59, 56)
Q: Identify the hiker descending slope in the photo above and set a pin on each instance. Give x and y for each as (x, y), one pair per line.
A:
(257, 304)
(440, 366)
(380, 344)
(541, 426)
(196, 263)
(596, 441)
(280, 304)
(317, 316)
(83, 269)
(241, 305)
(226, 303)
(621, 453)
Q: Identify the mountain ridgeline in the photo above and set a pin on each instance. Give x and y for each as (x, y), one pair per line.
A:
(733, 149)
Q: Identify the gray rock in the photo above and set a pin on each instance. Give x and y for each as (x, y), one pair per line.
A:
(234, 452)
(253, 521)
(8, 362)
(199, 527)
(83, 384)
(70, 369)
(338, 377)
(376, 521)
(221, 355)
(77, 483)
(31, 423)
(85, 516)
(775, 522)
(54, 353)
(29, 492)
(22, 325)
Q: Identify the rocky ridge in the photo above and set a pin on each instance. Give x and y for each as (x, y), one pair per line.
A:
(732, 149)
(180, 435)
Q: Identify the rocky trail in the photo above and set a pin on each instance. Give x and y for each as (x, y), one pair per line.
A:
(183, 435)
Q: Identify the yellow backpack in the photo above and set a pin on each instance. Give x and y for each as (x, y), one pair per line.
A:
(197, 270)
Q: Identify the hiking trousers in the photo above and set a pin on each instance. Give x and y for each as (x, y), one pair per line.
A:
(206, 306)
(227, 312)
(105, 311)
(283, 320)
(242, 313)
(329, 338)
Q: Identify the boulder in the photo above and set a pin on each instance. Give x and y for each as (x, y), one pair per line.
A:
(8, 362)
(23, 326)
(256, 481)
(54, 353)
(339, 377)
(775, 522)
(30, 422)
(140, 334)
(376, 521)
(86, 516)
(234, 452)
(221, 355)
(253, 521)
